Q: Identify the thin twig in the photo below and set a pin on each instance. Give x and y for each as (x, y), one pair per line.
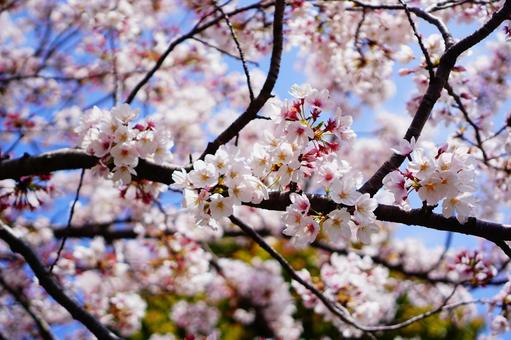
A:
(71, 214)
(240, 51)
(357, 35)
(337, 310)
(469, 120)
(447, 245)
(196, 30)
(205, 43)
(429, 63)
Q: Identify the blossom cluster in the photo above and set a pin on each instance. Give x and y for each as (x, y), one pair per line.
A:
(262, 284)
(473, 267)
(446, 174)
(26, 193)
(304, 143)
(173, 264)
(303, 225)
(112, 136)
(355, 283)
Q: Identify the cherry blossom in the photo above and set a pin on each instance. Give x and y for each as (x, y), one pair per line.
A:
(161, 169)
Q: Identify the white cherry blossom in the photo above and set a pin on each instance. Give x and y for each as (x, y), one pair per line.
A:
(338, 225)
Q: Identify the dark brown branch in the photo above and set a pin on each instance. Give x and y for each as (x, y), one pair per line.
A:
(419, 217)
(41, 324)
(47, 281)
(75, 159)
(257, 104)
(68, 159)
(435, 87)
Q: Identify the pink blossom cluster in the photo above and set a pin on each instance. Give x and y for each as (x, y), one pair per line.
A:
(26, 193)
(303, 143)
(112, 136)
(355, 283)
(472, 266)
(446, 174)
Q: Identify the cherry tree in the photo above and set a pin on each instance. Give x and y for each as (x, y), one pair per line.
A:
(154, 184)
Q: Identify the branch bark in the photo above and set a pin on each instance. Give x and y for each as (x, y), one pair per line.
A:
(67, 159)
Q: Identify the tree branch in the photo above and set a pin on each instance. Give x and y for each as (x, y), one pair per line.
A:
(41, 324)
(47, 281)
(337, 310)
(67, 159)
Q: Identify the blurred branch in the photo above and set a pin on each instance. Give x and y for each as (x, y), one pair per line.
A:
(205, 43)
(42, 326)
(337, 310)
(47, 281)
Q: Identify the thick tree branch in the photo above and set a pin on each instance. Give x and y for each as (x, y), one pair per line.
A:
(47, 281)
(75, 159)
(419, 217)
(68, 159)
